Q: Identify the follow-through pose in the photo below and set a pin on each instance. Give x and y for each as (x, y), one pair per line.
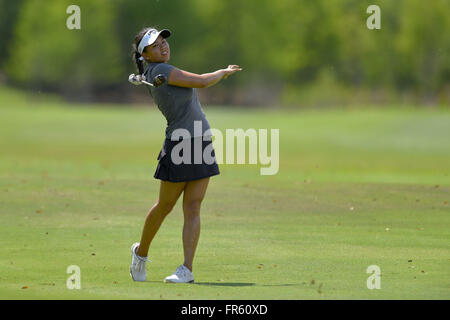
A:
(176, 98)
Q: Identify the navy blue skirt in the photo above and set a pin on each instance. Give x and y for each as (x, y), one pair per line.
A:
(176, 167)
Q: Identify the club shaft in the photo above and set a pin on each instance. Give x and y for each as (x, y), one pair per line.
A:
(147, 83)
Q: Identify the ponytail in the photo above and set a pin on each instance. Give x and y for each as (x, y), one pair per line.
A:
(139, 63)
(135, 53)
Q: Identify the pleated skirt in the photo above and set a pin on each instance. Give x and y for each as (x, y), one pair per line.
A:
(180, 166)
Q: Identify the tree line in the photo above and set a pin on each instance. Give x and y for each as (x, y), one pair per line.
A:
(291, 50)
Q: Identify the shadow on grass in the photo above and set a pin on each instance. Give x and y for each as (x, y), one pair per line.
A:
(219, 284)
(237, 284)
(244, 284)
(225, 284)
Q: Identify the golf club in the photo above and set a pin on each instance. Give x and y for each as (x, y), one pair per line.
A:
(157, 80)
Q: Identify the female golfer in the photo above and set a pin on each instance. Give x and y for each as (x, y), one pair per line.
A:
(178, 102)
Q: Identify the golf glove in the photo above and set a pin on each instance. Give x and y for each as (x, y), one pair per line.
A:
(136, 79)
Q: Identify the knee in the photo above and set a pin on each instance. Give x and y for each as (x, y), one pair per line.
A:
(192, 207)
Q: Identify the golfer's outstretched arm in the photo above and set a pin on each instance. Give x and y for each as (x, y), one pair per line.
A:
(187, 79)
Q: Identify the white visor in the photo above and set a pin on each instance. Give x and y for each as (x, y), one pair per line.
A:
(150, 37)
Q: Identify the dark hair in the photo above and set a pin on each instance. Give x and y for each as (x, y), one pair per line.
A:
(136, 55)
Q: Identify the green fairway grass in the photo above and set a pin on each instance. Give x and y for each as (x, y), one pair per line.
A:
(356, 187)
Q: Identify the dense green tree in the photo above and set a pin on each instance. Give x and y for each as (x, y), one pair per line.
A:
(423, 45)
(8, 17)
(294, 43)
(45, 53)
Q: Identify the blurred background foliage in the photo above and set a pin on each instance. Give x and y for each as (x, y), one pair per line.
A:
(293, 52)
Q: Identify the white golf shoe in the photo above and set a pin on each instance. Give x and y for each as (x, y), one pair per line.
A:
(181, 275)
(138, 270)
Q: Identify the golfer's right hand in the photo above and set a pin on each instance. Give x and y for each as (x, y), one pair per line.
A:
(232, 68)
(136, 79)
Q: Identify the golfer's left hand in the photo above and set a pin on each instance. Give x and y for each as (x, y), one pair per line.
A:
(232, 68)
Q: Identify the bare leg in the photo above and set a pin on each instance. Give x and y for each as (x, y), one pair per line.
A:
(194, 193)
(169, 193)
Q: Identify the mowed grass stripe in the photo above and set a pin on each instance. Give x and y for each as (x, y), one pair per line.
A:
(76, 184)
